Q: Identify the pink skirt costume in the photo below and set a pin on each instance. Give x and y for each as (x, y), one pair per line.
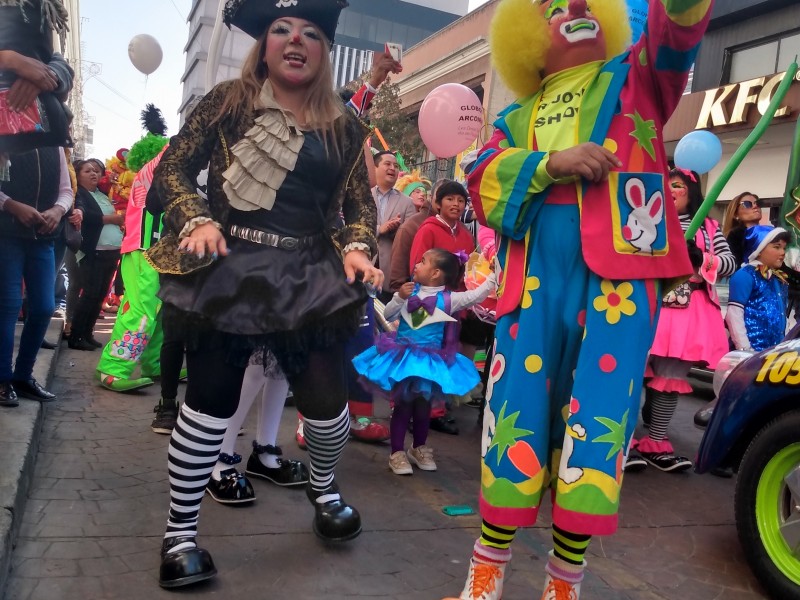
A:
(694, 334)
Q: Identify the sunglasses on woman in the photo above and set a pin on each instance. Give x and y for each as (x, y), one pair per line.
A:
(749, 204)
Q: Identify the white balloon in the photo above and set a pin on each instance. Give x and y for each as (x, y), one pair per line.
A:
(145, 53)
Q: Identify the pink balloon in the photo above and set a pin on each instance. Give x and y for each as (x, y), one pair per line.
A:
(450, 119)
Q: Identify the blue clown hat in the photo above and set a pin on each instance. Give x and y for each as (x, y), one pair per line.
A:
(759, 237)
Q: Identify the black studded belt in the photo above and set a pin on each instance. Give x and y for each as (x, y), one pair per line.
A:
(284, 242)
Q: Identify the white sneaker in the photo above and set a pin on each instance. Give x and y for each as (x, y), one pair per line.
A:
(399, 464)
(556, 589)
(484, 582)
(422, 457)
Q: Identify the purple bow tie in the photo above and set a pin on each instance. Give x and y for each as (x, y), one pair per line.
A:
(415, 303)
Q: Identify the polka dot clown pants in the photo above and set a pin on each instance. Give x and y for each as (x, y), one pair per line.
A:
(565, 386)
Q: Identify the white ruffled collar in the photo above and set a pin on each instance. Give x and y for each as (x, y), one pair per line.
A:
(264, 156)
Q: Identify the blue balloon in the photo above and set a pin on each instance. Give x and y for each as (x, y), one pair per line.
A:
(698, 151)
(637, 15)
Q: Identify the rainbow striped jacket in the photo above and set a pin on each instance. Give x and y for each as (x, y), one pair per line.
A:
(629, 225)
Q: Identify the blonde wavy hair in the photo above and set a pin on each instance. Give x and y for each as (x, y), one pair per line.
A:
(323, 107)
(519, 40)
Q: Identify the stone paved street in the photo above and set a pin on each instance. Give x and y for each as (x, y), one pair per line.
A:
(96, 510)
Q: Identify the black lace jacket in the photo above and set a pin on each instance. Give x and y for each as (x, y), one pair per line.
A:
(199, 143)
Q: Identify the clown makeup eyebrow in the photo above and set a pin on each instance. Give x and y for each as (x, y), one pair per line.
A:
(555, 7)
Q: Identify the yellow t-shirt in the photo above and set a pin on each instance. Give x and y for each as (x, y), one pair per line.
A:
(557, 119)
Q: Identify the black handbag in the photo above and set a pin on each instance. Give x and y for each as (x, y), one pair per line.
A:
(72, 236)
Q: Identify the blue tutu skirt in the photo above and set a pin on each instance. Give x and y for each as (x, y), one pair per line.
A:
(411, 371)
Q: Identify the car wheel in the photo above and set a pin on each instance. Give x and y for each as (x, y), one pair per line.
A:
(767, 506)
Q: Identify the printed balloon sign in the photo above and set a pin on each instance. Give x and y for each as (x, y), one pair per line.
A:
(450, 119)
(637, 16)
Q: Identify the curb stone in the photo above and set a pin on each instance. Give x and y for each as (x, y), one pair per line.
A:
(20, 429)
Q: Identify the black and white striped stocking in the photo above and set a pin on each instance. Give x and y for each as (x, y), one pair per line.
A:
(193, 450)
(325, 441)
(662, 408)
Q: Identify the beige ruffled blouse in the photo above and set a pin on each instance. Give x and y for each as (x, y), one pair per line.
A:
(263, 157)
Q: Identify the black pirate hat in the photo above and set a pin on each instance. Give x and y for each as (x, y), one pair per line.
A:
(254, 16)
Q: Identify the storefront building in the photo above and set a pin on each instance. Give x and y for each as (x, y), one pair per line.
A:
(459, 53)
(743, 59)
(747, 49)
(364, 27)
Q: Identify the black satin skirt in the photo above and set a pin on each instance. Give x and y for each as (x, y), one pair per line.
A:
(260, 298)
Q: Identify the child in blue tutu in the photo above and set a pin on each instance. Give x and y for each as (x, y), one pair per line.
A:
(420, 364)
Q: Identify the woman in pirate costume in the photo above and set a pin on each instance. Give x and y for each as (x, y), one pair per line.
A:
(255, 267)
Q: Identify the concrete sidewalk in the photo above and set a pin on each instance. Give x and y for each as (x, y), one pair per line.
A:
(20, 429)
(96, 498)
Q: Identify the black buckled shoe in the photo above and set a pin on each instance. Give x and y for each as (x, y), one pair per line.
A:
(8, 397)
(32, 390)
(703, 416)
(184, 567)
(335, 520)
(287, 473)
(233, 487)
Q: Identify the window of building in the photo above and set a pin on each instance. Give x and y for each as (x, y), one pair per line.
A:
(384, 31)
(771, 56)
(790, 48)
(400, 34)
(352, 25)
(369, 28)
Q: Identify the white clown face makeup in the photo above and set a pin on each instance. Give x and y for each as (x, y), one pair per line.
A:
(575, 30)
(575, 34)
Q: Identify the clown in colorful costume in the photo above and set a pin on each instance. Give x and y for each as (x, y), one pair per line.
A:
(137, 335)
(574, 181)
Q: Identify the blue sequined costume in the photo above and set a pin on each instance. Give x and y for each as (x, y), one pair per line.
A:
(764, 303)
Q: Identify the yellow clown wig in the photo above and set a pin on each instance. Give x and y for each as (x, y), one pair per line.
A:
(411, 181)
(519, 39)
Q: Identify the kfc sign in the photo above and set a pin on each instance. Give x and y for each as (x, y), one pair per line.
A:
(731, 104)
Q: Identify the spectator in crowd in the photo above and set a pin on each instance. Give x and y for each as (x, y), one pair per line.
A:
(742, 212)
(394, 208)
(98, 256)
(32, 205)
(446, 231)
(400, 271)
(35, 191)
